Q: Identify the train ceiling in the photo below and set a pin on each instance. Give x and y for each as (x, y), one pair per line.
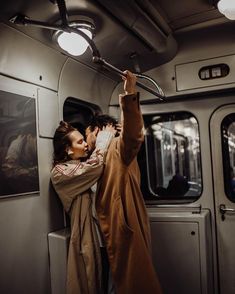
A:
(138, 35)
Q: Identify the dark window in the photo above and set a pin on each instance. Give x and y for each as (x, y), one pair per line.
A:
(228, 146)
(79, 113)
(170, 159)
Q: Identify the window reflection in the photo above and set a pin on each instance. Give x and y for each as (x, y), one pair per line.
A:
(172, 150)
(18, 145)
(228, 138)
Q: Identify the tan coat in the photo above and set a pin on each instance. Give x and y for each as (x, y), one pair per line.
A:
(72, 181)
(121, 209)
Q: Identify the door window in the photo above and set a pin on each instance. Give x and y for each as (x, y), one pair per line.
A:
(170, 160)
(228, 145)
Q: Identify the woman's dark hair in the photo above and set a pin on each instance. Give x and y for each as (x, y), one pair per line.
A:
(61, 142)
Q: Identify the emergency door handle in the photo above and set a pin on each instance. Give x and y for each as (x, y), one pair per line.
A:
(223, 209)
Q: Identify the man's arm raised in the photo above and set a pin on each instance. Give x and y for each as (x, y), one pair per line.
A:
(132, 133)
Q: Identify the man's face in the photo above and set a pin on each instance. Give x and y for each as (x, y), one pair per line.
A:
(91, 138)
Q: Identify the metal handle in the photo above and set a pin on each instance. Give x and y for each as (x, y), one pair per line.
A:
(159, 93)
(223, 209)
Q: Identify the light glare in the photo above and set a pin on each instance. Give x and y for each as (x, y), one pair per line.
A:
(227, 7)
(73, 43)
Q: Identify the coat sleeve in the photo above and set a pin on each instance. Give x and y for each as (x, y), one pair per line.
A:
(73, 178)
(132, 135)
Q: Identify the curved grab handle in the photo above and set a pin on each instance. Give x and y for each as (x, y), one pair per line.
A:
(159, 93)
(142, 76)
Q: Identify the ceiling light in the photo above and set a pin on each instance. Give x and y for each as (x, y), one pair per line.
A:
(72, 42)
(227, 7)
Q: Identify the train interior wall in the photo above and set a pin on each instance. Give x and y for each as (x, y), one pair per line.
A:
(31, 69)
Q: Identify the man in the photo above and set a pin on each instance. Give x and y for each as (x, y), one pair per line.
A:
(120, 206)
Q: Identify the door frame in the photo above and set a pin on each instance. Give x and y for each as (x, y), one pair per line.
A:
(226, 257)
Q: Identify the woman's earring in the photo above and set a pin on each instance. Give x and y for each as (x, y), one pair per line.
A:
(70, 152)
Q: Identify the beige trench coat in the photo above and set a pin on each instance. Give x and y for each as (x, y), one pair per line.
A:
(72, 181)
(121, 209)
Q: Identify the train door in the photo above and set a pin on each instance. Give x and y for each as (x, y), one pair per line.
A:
(172, 185)
(222, 127)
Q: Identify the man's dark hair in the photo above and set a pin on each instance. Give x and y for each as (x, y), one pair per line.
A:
(101, 121)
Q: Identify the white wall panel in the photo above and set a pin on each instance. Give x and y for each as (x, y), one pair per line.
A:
(187, 75)
(82, 82)
(48, 112)
(32, 61)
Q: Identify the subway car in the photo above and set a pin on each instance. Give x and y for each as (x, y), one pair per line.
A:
(183, 53)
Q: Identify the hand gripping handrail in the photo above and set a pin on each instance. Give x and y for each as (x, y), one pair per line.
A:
(114, 69)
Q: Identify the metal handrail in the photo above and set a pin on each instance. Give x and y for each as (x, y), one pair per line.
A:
(114, 69)
(96, 58)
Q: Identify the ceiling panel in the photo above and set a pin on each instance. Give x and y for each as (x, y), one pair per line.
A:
(120, 32)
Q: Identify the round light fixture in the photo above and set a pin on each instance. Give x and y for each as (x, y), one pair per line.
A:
(227, 7)
(74, 43)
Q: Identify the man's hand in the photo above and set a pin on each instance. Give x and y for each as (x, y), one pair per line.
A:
(110, 128)
(129, 82)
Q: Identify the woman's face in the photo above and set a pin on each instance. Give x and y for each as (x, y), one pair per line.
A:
(79, 147)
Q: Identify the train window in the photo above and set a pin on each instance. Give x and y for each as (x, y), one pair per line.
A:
(228, 147)
(79, 113)
(18, 145)
(170, 159)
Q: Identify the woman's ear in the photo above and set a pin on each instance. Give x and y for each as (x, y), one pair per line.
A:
(69, 151)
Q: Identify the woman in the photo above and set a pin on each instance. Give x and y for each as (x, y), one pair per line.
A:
(73, 176)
